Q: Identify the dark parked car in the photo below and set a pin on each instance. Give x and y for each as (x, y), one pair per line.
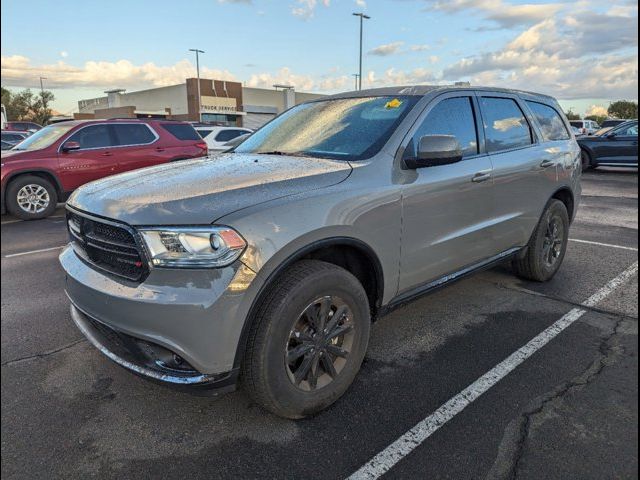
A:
(617, 147)
(48, 165)
(612, 122)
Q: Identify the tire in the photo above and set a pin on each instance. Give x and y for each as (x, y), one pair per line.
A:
(30, 197)
(586, 160)
(546, 250)
(281, 331)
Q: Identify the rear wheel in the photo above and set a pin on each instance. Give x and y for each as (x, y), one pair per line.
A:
(30, 197)
(308, 340)
(548, 245)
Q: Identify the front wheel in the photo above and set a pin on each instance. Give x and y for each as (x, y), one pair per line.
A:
(548, 245)
(30, 197)
(308, 340)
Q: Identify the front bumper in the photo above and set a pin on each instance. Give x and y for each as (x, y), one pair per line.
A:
(127, 352)
(196, 315)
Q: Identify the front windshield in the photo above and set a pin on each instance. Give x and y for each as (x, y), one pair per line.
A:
(344, 129)
(44, 137)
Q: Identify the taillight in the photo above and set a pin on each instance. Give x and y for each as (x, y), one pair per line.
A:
(202, 145)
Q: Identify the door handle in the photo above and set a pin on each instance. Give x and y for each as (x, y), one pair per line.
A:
(547, 163)
(159, 149)
(481, 177)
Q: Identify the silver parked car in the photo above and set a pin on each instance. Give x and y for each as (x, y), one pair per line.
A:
(270, 263)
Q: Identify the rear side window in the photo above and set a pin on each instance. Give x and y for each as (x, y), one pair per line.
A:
(133, 134)
(12, 137)
(204, 133)
(452, 116)
(505, 125)
(182, 131)
(226, 135)
(93, 136)
(576, 123)
(628, 130)
(551, 123)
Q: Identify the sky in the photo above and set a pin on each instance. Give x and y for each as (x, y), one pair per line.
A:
(585, 53)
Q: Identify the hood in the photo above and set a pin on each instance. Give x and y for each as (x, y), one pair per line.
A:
(192, 192)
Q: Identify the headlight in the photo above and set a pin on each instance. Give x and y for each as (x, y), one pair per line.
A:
(193, 247)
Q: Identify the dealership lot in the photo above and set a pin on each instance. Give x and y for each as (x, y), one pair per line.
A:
(570, 410)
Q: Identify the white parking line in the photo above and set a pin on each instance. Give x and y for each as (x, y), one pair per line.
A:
(609, 245)
(7, 222)
(34, 251)
(387, 458)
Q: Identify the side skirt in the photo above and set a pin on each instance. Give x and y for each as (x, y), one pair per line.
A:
(414, 293)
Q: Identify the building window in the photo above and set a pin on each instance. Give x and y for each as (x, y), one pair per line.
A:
(219, 119)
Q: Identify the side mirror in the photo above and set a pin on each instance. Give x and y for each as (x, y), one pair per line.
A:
(435, 150)
(70, 146)
(611, 135)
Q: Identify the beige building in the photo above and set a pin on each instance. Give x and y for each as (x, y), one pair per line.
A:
(221, 103)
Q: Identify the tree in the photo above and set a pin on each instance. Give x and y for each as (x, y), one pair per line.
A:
(572, 116)
(26, 105)
(623, 109)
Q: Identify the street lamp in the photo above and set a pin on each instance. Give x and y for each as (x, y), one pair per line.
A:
(356, 76)
(362, 17)
(198, 75)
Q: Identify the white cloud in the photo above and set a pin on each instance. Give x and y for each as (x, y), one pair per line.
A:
(387, 49)
(419, 48)
(17, 71)
(583, 54)
(284, 76)
(502, 13)
(306, 8)
(598, 110)
(361, 3)
(434, 59)
(64, 54)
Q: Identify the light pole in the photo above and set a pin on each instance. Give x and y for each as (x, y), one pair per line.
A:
(198, 52)
(42, 90)
(356, 76)
(44, 102)
(362, 17)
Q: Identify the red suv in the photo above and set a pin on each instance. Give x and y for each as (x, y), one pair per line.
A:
(47, 166)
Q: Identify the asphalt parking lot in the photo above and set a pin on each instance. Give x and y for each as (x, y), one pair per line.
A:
(568, 410)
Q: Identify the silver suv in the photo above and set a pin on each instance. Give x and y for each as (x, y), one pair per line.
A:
(267, 265)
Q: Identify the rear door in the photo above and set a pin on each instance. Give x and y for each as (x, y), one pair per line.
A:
(448, 209)
(525, 165)
(95, 159)
(137, 146)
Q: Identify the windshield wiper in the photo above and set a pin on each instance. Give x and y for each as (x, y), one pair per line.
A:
(273, 152)
(280, 152)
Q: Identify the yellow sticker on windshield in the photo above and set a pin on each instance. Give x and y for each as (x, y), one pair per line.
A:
(395, 103)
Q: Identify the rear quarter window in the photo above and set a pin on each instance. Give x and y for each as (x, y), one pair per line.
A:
(182, 131)
(226, 135)
(551, 123)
